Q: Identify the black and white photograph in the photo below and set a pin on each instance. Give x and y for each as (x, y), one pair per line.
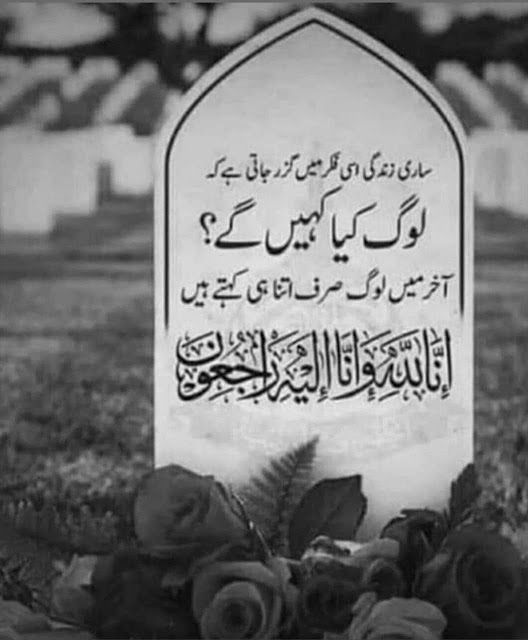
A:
(263, 320)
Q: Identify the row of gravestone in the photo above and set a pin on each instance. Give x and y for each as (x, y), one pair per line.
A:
(313, 268)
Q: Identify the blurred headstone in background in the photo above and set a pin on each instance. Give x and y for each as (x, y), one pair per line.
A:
(314, 260)
(66, 71)
(471, 97)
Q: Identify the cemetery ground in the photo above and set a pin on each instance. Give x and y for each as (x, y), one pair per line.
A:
(76, 371)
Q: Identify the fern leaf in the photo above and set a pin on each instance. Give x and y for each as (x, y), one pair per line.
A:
(270, 498)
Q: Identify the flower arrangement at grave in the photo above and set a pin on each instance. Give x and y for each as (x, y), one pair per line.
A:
(278, 559)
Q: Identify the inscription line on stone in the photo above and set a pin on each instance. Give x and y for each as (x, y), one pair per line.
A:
(259, 50)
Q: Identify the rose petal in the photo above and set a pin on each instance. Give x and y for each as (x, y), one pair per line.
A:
(499, 552)
(326, 603)
(175, 506)
(361, 612)
(226, 514)
(400, 630)
(454, 580)
(179, 573)
(230, 620)
(275, 604)
(420, 533)
(410, 609)
(165, 500)
(364, 604)
(469, 573)
(283, 610)
(213, 577)
(249, 598)
(191, 554)
(385, 578)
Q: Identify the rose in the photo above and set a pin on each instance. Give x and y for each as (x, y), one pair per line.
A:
(183, 516)
(379, 571)
(327, 597)
(371, 565)
(338, 572)
(329, 587)
(401, 618)
(420, 533)
(130, 601)
(325, 603)
(385, 578)
(176, 507)
(476, 579)
(243, 599)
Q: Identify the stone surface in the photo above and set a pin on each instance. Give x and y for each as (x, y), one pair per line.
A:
(314, 268)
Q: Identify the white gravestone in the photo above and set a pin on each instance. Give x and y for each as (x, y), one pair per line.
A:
(314, 268)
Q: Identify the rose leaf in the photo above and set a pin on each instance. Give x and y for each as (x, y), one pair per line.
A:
(333, 508)
(465, 491)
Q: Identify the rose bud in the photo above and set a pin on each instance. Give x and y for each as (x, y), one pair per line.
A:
(325, 603)
(385, 579)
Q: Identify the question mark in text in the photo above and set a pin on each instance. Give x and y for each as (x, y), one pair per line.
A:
(206, 219)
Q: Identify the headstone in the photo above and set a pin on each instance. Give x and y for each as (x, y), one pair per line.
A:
(314, 268)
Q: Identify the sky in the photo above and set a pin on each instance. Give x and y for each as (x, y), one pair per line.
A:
(66, 23)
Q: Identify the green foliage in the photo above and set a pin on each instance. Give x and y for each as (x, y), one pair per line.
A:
(271, 497)
(333, 508)
(465, 491)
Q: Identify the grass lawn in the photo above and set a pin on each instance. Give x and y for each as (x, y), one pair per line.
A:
(76, 376)
(76, 372)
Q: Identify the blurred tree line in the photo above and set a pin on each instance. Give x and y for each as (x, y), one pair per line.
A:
(137, 36)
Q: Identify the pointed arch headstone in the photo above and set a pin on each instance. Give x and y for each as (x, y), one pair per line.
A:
(314, 267)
